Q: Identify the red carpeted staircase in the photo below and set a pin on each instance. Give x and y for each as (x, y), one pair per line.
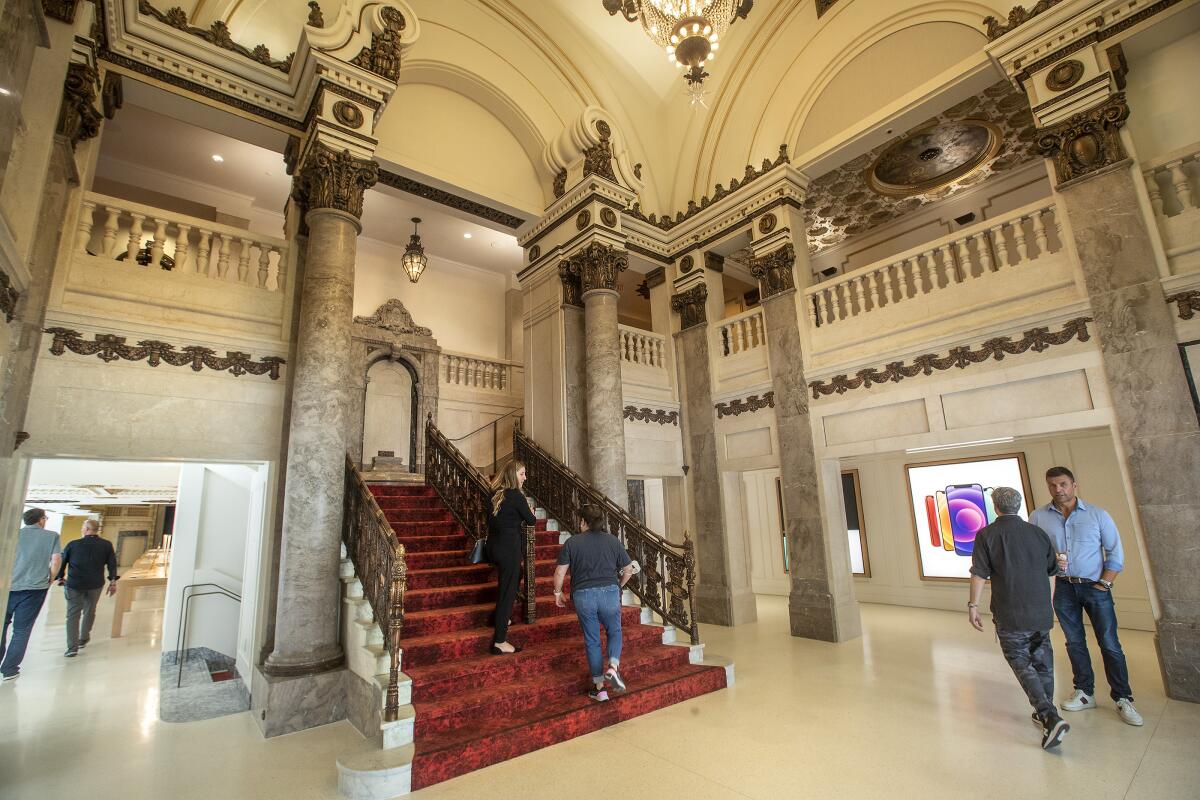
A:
(474, 709)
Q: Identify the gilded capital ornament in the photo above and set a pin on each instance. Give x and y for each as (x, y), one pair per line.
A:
(774, 271)
(1086, 142)
(572, 295)
(78, 117)
(690, 306)
(596, 267)
(329, 179)
(383, 55)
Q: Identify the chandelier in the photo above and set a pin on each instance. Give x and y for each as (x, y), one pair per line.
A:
(689, 31)
(414, 260)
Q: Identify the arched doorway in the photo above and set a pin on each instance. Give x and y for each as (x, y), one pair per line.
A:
(390, 411)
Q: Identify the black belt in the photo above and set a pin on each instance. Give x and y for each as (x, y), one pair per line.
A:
(1073, 579)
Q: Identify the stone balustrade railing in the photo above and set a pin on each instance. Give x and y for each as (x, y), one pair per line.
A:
(1017, 238)
(112, 228)
(1173, 184)
(642, 347)
(742, 332)
(473, 372)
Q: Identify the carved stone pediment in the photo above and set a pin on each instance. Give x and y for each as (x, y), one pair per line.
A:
(394, 317)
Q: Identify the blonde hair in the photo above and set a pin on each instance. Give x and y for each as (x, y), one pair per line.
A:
(506, 479)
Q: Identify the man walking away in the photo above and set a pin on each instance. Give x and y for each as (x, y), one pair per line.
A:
(1019, 559)
(599, 567)
(84, 561)
(1091, 557)
(36, 565)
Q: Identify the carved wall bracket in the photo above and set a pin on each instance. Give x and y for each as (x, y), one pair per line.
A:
(78, 118)
(1087, 141)
(1186, 303)
(572, 294)
(383, 55)
(774, 271)
(8, 297)
(690, 306)
(1035, 339)
(217, 33)
(596, 266)
(648, 415)
(330, 179)
(108, 348)
(746, 405)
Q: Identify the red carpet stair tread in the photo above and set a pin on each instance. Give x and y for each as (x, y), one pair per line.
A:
(474, 709)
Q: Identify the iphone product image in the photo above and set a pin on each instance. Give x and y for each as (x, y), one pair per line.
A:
(989, 506)
(931, 515)
(944, 520)
(968, 514)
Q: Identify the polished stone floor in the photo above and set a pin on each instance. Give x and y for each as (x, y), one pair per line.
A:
(921, 707)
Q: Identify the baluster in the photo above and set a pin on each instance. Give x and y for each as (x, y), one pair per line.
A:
(111, 221)
(476, 372)
(827, 297)
(135, 238)
(876, 278)
(643, 356)
(1183, 187)
(859, 301)
(814, 309)
(1001, 246)
(460, 371)
(83, 234)
(624, 346)
(1039, 233)
(910, 278)
(223, 255)
(741, 329)
(1155, 193)
(182, 246)
(660, 349)
(1022, 242)
(948, 265)
(984, 243)
(843, 300)
(279, 269)
(243, 260)
(889, 285)
(934, 269)
(964, 259)
(504, 369)
(264, 265)
(202, 255)
(159, 244)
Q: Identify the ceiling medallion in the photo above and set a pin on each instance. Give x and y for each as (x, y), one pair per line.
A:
(414, 260)
(933, 158)
(688, 30)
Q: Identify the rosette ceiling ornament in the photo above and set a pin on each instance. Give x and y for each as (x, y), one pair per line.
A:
(689, 31)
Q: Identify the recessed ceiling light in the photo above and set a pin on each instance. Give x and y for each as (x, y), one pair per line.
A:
(218, 158)
(466, 236)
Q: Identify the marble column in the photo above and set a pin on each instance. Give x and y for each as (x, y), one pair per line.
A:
(575, 421)
(821, 603)
(723, 591)
(1155, 420)
(306, 623)
(598, 266)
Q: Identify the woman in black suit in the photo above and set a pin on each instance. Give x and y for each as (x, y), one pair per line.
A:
(510, 510)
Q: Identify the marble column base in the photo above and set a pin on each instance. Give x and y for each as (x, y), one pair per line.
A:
(286, 705)
(818, 616)
(1178, 647)
(284, 664)
(719, 605)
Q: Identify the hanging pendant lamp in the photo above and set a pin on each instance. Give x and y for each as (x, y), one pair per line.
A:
(414, 260)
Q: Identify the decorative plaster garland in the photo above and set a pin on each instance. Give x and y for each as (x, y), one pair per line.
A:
(745, 406)
(108, 348)
(1035, 339)
(651, 415)
(1186, 303)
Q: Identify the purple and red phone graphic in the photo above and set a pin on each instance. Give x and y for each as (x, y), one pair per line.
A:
(955, 515)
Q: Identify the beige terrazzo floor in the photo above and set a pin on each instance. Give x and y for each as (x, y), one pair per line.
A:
(921, 707)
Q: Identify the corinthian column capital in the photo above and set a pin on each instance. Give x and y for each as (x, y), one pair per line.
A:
(690, 306)
(329, 179)
(1086, 142)
(774, 271)
(596, 267)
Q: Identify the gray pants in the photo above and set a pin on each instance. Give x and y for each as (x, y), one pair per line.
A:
(81, 602)
(1032, 661)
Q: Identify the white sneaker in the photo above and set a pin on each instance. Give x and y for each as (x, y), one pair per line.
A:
(1128, 714)
(1078, 701)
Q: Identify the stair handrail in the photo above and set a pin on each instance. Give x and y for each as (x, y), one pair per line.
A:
(468, 495)
(379, 562)
(495, 426)
(668, 577)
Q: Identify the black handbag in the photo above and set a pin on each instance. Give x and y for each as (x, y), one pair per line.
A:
(476, 555)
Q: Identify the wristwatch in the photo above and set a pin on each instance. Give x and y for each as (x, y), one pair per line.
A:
(1104, 583)
(972, 605)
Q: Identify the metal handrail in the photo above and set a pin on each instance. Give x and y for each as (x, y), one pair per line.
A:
(486, 425)
(181, 628)
(668, 577)
(495, 426)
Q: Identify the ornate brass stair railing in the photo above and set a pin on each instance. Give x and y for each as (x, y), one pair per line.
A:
(668, 578)
(378, 559)
(468, 495)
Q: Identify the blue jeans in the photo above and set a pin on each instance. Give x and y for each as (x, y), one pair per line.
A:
(1070, 601)
(23, 608)
(596, 606)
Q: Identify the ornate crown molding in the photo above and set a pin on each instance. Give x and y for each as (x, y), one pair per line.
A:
(61, 10)
(393, 316)
(109, 348)
(1086, 142)
(1017, 17)
(216, 34)
(774, 271)
(8, 297)
(382, 56)
(330, 179)
(1186, 303)
(78, 118)
(649, 415)
(1035, 339)
(596, 266)
(746, 405)
(690, 306)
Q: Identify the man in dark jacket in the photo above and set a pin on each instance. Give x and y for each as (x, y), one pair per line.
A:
(1019, 558)
(84, 562)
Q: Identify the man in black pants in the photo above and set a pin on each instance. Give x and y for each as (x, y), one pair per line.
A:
(1019, 559)
(84, 561)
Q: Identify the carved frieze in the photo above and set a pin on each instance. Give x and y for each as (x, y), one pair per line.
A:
(109, 348)
(61, 10)
(393, 316)
(216, 34)
(8, 297)
(1017, 17)
(1086, 142)
(689, 305)
(423, 190)
(774, 271)
(651, 415)
(596, 266)
(329, 179)
(383, 55)
(78, 118)
(1035, 339)
(746, 405)
(1186, 303)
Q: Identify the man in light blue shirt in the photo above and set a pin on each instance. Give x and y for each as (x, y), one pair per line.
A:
(35, 566)
(1090, 557)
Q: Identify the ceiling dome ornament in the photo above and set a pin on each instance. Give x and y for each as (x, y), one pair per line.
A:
(933, 158)
(689, 31)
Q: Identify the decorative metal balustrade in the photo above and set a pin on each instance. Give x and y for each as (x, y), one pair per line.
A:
(378, 559)
(667, 582)
(468, 495)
